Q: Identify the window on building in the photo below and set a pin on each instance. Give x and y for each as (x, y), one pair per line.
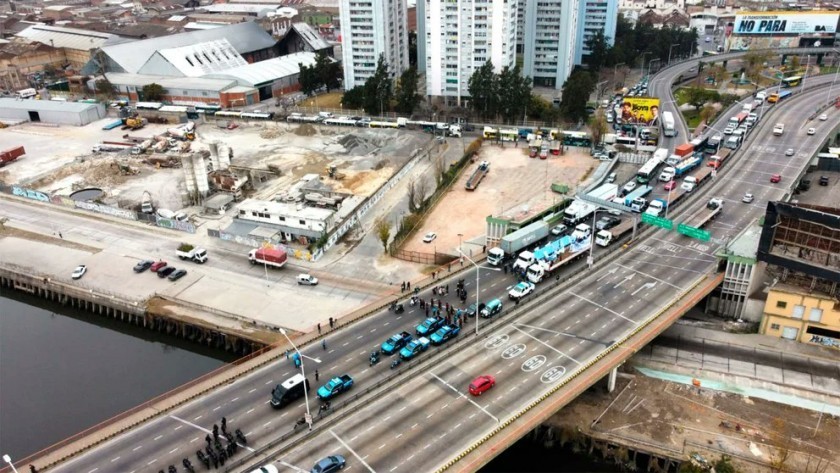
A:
(282, 219)
(775, 326)
(302, 222)
(798, 311)
(815, 315)
(781, 305)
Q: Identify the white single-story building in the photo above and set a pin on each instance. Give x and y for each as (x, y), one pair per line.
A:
(50, 111)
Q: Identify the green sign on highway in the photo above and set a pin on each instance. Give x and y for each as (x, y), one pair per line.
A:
(692, 232)
(658, 221)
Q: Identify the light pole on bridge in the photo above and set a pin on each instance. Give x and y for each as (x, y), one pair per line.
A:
(308, 417)
(477, 295)
(8, 459)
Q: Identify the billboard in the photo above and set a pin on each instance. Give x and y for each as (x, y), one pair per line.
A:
(781, 23)
(640, 110)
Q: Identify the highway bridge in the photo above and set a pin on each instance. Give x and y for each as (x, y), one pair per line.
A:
(543, 352)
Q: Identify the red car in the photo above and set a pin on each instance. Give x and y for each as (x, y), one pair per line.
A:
(481, 384)
(776, 178)
(671, 185)
(157, 265)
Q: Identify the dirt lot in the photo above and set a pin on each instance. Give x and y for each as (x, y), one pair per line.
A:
(684, 418)
(515, 183)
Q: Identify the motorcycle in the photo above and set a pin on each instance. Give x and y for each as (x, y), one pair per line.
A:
(202, 458)
(374, 357)
(301, 421)
(395, 363)
(399, 309)
(172, 469)
(188, 465)
(241, 437)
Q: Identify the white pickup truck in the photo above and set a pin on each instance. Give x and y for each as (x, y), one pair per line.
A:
(190, 252)
(778, 129)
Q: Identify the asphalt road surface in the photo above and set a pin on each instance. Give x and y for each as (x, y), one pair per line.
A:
(429, 417)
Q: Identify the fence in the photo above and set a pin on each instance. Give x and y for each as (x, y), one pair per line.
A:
(423, 257)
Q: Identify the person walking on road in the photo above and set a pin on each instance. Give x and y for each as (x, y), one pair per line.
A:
(319, 328)
(324, 344)
(316, 375)
(224, 424)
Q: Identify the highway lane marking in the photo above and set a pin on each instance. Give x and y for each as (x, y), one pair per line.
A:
(173, 451)
(381, 447)
(345, 344)
(388, 323)
(413, 426)
(91, 471)
(366, 370)
(386, 419)
(652, 277)
(234, 400)
(352, 451)
(330, 352)
(250, 411)
(148, 464)
(249, 392)
(158, 437)
(333, 368)
(266, 424)
(394, 468)
(199, 417)
(456, 426)
(176, 428)
(542, 342)
(607, 308)
(288, 465)
(403, 408)
(460, 394)
(115, 459)
(217, 408)
(360, 337)
(267, 382)
(680, 268)
(399, 435)
(409, 458)
(372, 330)
(137, 448)
(194, 440)
(429, 416)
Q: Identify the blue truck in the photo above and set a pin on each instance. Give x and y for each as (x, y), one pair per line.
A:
(687, 165)
(414, 348)
(429, 326)
(335, 386)
(444, 334)
(640, 192)
(397, 341)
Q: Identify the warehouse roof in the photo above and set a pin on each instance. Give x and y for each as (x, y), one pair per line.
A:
(194, 60)
(44, 105)
(171, 83)
(71, 38)
(268, 70)
(244, 37)
(309, 35)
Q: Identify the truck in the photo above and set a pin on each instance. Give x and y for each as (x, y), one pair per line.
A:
(395, 343)
(719, 158)
(668, 124)
(606, 192)
(605, 237)
(274, 257)
(555, 255)
(187, 251)
(414, 348)
(690, 182)
(582, 231)
(428, 326)
(640, 192)
(656, 207)
(525, 259)
(713, 144)
(578, 211)
(779, 129)
(704, 216)
(11, 154)
(479, 173)
(335, 386)
(513, 242)
(495, 256)
(684, 149)
(736, 121)
(687, 166)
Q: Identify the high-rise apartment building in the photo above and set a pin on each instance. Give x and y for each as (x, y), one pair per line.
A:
(594, 16)
(370, 28)
(550, 40)
(457, 37)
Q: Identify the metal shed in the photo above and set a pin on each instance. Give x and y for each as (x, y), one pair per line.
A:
(49, 111)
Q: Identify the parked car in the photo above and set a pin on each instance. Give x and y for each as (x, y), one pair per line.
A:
(329, 464)
(482, 384)
(823, 180)
(177, 274)
(307, 280)
(143, 265)
(166, 271)
(429, 237)
(611, 178)
(157, 265)
(775, 178)
(79, 271)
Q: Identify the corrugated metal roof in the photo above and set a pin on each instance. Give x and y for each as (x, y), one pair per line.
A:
(172, 83)
(244, 37)
(70, 38)
(310, 36)
(269, 70)
(200, 59)
(197, 25)
(44, 105)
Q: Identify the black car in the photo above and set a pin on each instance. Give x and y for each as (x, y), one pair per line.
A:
(166, 271)
(607, 222)
(823, 180)
(468, 127)
(177, 274)
(143, 265)
(471, 309)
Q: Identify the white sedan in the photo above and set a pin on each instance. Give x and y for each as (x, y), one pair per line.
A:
(748, 198)
(79, 271)
(789, 152)
(812, 131)
(823, 117)
(521, 290)
(430, 237)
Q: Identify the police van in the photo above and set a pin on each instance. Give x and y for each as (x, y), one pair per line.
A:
(289, 391)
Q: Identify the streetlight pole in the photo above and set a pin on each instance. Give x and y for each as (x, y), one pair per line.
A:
(591, 260)
(8, 460)
(805, 75)
(669, 52)
(642, 71)
(650, 64)
(305, 381)
(460, 248)
(477, 268)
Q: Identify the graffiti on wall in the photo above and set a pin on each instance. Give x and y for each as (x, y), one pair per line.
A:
(173, 224)
(107, 210)
(825, 341)
(30, 194)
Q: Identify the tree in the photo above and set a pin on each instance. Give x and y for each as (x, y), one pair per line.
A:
(576, 91)
(412, 48)
(378, 89)
(308, 79)
(327, 71)
(153, 92)
(416, 191)
(599, 51)
(598, 126)
(383, 231)
(724, 465)
(354, 98)
(707, 113)
(795, 63)
(483, 91)
(407, 96)
(698, 96)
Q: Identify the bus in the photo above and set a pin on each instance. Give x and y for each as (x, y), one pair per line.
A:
(668, 128)
(779, 96)
(374, 124)
(577, 138)
(207, 109)
(791, 81)
(627, 140)
(26, 93)
(648, 170)
(148, 105)
(490, 133)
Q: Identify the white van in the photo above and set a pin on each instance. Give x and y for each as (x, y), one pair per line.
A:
(667, 174)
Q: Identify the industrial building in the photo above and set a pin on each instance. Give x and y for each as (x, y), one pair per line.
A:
(454, 41)
(49, 111)
(370, 30)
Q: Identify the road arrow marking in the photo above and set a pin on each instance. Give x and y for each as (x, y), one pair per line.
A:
(626, 278)
(608, 273)
(643, 287)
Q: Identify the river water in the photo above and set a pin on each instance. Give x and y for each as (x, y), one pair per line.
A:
(63, 371)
